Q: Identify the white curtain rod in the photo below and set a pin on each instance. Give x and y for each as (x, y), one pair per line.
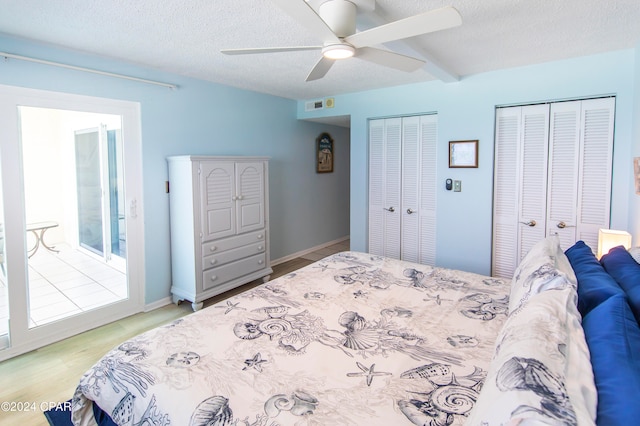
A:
(73, 67)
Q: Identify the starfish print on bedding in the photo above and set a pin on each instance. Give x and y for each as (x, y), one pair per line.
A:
(255, 362)
(230, 307)
(368, 372)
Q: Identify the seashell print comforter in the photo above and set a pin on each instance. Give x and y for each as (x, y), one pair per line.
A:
(353, 339)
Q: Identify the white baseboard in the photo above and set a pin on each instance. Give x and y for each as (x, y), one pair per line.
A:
(158, 304)
(307, 251)
(168, 300)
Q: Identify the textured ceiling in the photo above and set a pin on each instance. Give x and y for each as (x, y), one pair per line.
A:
(185, 37)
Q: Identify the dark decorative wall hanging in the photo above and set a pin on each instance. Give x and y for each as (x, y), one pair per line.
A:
(324, 153)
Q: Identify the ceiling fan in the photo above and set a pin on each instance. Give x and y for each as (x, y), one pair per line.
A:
(335, 25)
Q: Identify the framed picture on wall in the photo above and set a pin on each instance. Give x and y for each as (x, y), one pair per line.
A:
(324, 153)
(463, 154)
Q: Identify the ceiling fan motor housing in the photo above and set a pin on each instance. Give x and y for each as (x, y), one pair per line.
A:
(340, 16)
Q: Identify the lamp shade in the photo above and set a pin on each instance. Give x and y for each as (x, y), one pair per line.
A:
(610, 238)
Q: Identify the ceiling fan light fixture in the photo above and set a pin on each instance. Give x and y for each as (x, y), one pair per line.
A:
(338, 51)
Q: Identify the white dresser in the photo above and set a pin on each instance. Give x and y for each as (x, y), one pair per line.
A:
(219, 215)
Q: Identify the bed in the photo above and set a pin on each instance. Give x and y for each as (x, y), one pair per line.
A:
(358, 339)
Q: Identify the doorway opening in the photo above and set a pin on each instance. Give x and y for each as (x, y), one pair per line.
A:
(72, 247)
(74, 211)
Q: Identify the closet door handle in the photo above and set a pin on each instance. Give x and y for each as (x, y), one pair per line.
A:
(390, 209)
(530, 223)
(409, 211)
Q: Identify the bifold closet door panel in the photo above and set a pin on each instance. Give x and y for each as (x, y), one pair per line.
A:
(534, 142)
(596, 158)
(428, 188)
(411, 185)
(564, 163)
(505, 191)
(384, 186)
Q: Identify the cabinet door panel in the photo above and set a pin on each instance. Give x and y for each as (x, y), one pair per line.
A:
(217, 208)
(250, 196)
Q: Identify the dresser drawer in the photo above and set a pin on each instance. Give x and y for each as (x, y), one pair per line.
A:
(218, 259)
(224, 273)
(232, 242)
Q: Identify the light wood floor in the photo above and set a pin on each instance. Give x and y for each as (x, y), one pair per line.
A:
(51, 374)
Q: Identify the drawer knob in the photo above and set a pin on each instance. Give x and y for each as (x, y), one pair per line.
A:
(260, 262)
(213, 248)
(213, 278)
(260, 248)
(213, 261)
(260, 236)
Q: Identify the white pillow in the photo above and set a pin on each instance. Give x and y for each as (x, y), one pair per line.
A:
(541, 370)
(544, 267)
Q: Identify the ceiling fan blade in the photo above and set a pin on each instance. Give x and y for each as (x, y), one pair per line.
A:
(320, 69)
(428, 22)
(389, 59)
(307, 17)
(251, 51)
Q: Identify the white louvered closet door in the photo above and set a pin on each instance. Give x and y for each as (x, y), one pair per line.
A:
(411, 185)
(384, 186)
(428, 184)
(596, 158)
(506, 190)
(534, 144)
(552, 176)
(564, 150)
(402, 182)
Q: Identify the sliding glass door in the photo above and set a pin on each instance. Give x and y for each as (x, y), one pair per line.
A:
(4, 294)
(99, 182)
(74, 252)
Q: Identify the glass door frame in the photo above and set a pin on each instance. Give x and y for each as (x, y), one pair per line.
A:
(106, 170)
(22, 338)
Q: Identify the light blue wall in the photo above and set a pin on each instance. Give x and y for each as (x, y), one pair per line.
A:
(306, 209)
(466, 110)
(634, 210)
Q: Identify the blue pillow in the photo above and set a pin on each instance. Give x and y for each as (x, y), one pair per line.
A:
(613, 337)
(626, 271)
(594, 284)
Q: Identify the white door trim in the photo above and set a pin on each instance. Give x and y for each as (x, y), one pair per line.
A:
(23, 338)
